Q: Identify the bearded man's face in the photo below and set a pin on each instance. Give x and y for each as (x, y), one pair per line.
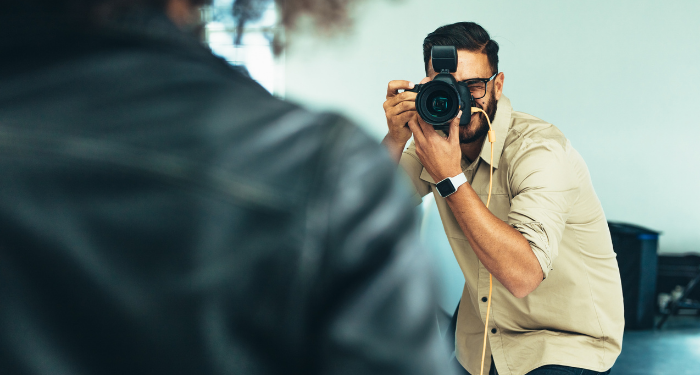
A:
(475, 65)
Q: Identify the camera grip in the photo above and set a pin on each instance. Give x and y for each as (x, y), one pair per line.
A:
(464, 120)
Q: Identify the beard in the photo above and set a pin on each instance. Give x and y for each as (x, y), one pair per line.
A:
(478, 126)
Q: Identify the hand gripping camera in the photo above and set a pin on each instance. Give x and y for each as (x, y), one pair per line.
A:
(440, 100)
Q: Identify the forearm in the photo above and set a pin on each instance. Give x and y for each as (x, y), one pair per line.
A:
(394, 147)
(500, 248)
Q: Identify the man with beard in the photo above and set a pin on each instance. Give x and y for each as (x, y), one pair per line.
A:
(557, 299)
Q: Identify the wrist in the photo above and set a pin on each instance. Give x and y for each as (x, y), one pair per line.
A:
(449, 185)
(394, 146)
(398, 139)
(448, 173)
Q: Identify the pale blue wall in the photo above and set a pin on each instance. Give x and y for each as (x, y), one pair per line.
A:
(620, 78)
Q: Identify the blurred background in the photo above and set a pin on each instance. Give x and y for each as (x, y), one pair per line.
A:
(619, 78)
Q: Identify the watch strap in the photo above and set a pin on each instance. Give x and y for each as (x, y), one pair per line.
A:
(450, 185)
(458, 180)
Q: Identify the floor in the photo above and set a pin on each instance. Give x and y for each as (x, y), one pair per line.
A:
(672, 350)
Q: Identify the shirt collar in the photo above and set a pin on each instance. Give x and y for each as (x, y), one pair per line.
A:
(500, 125)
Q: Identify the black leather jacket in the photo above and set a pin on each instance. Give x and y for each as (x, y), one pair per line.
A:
(160, 213)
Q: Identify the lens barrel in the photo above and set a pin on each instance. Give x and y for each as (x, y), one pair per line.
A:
(437, 103)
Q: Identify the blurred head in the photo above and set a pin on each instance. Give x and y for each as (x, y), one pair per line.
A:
(324, 13)
(477, 57)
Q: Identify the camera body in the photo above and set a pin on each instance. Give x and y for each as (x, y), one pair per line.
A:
(440, 100)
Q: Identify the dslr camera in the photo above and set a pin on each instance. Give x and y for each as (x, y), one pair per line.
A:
(440, 100)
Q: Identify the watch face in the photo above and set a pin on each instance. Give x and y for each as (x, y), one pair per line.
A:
(445, 187)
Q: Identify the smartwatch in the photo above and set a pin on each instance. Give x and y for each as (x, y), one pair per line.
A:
(450, 185)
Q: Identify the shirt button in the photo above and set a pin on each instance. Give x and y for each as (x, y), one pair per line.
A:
(484, 299)
(494, 330)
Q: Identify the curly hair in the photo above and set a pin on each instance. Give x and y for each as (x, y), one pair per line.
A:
(327, 14)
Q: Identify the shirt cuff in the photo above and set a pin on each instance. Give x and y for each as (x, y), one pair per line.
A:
(416, 199)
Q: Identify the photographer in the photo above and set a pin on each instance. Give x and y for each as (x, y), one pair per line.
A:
(556, 306)
(163, 214)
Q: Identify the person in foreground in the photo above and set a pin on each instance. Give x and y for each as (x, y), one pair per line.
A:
(557, 299)
(163, 214)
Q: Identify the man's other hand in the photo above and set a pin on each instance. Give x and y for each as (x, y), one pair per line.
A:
(441, 157)
(399, 108)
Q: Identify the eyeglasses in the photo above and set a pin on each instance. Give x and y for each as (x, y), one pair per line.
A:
(477, 86)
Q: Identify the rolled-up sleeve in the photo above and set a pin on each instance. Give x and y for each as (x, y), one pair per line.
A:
(544, 187)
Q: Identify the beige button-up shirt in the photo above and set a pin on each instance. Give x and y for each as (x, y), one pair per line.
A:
(542, 188)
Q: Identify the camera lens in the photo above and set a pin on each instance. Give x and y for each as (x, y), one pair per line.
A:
(437, 102)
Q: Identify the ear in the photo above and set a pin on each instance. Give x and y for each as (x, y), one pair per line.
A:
(431, 73)
(498, 84)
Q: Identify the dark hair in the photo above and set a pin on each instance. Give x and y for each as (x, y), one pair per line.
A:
(81, 12)
(464, 36)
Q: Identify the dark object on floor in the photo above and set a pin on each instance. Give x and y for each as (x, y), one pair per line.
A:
(683, 268)
(636, 249)
(677, 270)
